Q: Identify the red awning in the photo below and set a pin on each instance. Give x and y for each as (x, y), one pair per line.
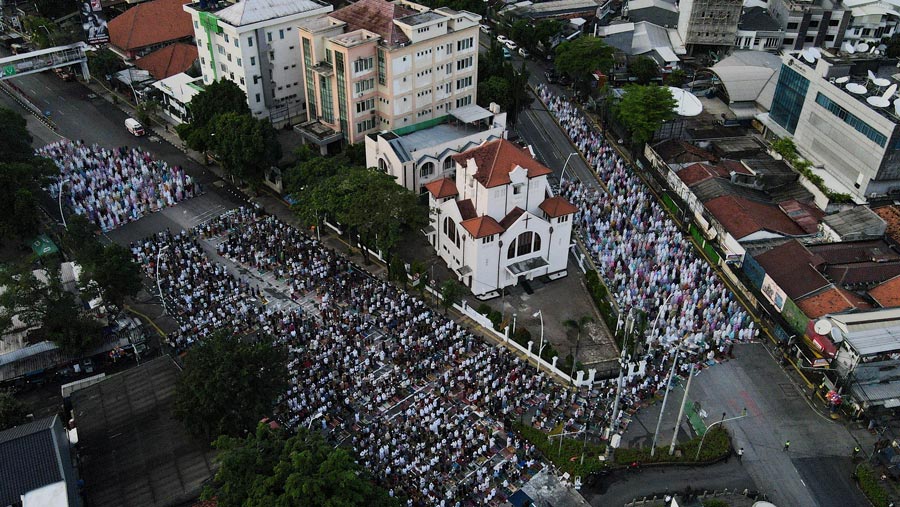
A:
(821, 342)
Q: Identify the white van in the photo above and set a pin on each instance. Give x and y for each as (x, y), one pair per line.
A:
(134, 127)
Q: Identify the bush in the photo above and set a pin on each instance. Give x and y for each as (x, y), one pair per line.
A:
(598, 293)
(871, 486)
(570, 458)
(522, 336)
(496, 318)
(715, 502)
(716, 445)
(484, 309)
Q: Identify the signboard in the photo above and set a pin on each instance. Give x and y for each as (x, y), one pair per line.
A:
(9, 70)
(773, 293)
(94, 22)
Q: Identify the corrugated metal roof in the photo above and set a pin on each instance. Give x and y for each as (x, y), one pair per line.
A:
(248, 12)
(29, 459)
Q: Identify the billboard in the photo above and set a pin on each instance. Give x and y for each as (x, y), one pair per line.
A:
(93, 22)
(773, 293)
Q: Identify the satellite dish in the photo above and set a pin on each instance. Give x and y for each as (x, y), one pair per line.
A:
(870, 74)
(878, 101)
(687, 104)
(881, 82)
(815, 53)
(897, 107)
(873, 49)
(856, 88)
(848, 48)
(823, 327)
(842, 80)
(890, 91)
(862, 47)
(807, 57)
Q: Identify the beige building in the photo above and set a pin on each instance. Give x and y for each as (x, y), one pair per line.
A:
(378, 65)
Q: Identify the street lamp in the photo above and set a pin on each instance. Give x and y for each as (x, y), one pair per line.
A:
(317, 416)
(662, 408)
(158, 283)
(562, 175)
(612, 420)
(61, 214)
(743, 415)
(540, 313)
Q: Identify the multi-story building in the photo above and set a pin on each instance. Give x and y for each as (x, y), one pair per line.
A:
(254, 43)
(418, 156)
(831, 23)
(710, 23)
(498, 222)
(377, 65)
(841, 116)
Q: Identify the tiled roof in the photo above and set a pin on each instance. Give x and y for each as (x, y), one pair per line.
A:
(732, 165)
(888, 293)
(676, 151)
(556, 207)
(444, 187)
(831, 300)
(375, 16)
(742, 217)
(29, 459)
(511, 217)
(845, 252)
(150, 23)
(804, 215)
(496, 159)
(791, 266)
(891, 215)
(466, 209)
(480, 227)
(170, 60)
(695, 173)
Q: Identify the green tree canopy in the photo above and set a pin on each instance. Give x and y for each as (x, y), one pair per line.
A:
(451, 293)
(643, 109)
(245, 146)
(644, 69)
(269, 469)
(502, 75)
(116, 274)
(579, 58)
(217, 98)
(229, 384)
(104, 62)
(495, 89)
(12, 411)
(676, 78)
(15, 143)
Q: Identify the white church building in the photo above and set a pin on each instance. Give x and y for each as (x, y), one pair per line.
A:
(498, 222)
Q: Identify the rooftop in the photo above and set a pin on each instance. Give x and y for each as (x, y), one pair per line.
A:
(421, 18)
(557, 206)
(496, 159)
(743, 217)
(150, 23)
(658, 12)
(830, 301)
(480, 227)
(791, 266)
(856, 223)
(758, 19)
(870, 333)
(406, 145)
(444, 187)
(134, 450)
(891, 216)
(887, 294)
(32, 455)
(749, 76)
(170, 60)
(376, 16)
(248, 12)
(676, 151)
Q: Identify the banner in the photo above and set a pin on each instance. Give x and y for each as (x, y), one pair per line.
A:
(773, 293)
(94, 23)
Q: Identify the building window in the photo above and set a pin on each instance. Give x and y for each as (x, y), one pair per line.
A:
(281, 34)
(382, 80)
(465, 63)
(463, 83)
(196, 24)
(487, 239)
(463, 101)
(850, 119)
(365, 85)
(226, 38)
(242, 80)
(527, 242)
(269, 36)
(383, 166)
(449, 164)
(792, 26)
(451, 232)
(517, 188)
(365, 125)
(362, 65)
(252, 61)
(464, 44)
(426, 170)
(365, 105)
(250, 41)
(239, 62)
(257, 97)
(790, 92)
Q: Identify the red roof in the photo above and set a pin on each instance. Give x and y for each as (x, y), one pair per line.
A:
(832, 300)
(375, 16)
(888, 293)
(742, 217)
(891, 215)
(823, 343)
(556, 207)
(497, 158)
(728, 165)
(791, 266)
(444, 187)
(170, 60)
(695, 173)
(466, 209)
(511, 217)
(480, 227)
(150, 23)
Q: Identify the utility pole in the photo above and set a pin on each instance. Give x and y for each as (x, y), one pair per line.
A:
(662, 409)
(684, 401)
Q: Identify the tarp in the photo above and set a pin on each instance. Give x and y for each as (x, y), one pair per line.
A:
(42, 245)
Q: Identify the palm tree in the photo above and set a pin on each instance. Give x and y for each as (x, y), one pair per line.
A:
(578, 326)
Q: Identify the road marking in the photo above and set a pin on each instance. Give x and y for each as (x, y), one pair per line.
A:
(61, 113)
(804, 484)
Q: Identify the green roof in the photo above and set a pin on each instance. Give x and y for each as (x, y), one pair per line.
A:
(42, 245)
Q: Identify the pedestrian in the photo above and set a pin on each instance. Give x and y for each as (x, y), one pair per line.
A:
(787, 445)
(740, 454)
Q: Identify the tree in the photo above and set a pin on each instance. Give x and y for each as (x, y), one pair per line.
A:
(219, 97)
(676, 78)
(493, 68)
(451, 293)
(229, 384)
(12, 411)
(643, 109)
(495, 89)
(116, 274)
(543, 32)
(104, 63)
(579, 326)
(267, 468)
(245, 146)
(579, 58)
(15, 143)
(80, 238)
(644, 69)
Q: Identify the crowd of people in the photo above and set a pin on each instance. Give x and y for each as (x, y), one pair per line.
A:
(112, 187)
(427, 406)
(646, 262)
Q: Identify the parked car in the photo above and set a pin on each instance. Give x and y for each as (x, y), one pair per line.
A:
(524, 53)
(64, 73)
(512, 45)
(485, 29)
(506, 54)
(134, 126)
(502, 39)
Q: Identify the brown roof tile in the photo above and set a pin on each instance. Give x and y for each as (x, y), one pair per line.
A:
(375, 16)
(497, 158)
(556, 207)
(681, 152)
(444, 187)
(891, 215)
(511, 217)
(695, 173)
(888, 293)
(466, 209)
(742, 217)
(791, 266)
(150, 23)
(170, 60)
(831, 300)
(480, 227)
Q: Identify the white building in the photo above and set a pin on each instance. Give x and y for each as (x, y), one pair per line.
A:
(419, 157)
(177, 92)
(255, 44)
(498, 221)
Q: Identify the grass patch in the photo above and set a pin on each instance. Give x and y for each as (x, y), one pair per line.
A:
(716, 445)
(871, 486)
(570, 458)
